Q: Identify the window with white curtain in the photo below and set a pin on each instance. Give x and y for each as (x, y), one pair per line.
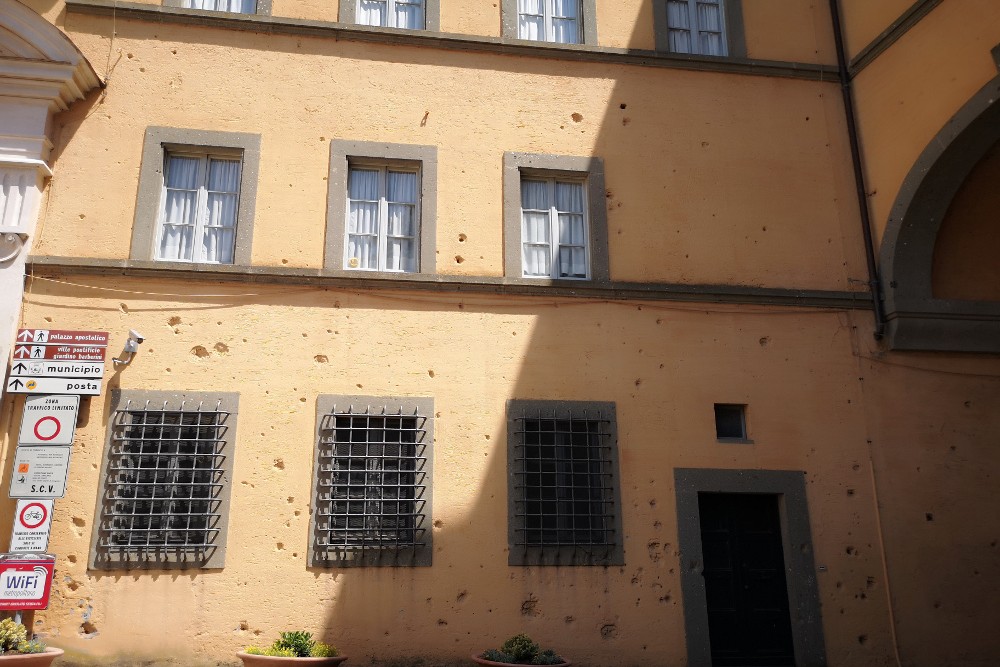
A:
(236, 6)
(198, 212)
(549, 21)
(383, 219)
(554, 240)
(697, 26)
(391, 13)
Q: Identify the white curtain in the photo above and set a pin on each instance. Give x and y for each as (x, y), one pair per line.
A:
(363, 222)
(238, 6)
(180, 208)
(572, 234)
(679, 23)
(223, 200)
(565, 23)
(373, 12)
(710, 28)
(535, 228)
(531, 20)
(409, 14)
(401, 198)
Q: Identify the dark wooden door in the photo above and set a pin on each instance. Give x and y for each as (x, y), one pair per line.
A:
(748, 620)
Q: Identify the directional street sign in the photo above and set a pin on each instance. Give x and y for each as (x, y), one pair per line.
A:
(74, 369)
(79, 386)
(26, 580)
(53, 336)
(54, 361)
(32, 525)
(40, 472)
(59, 352)
(48, 420)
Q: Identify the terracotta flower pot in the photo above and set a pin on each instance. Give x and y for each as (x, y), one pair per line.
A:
(30, 659)
(250, 660)
(489, 663)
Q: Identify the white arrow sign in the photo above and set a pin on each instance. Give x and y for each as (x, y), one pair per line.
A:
(32, 525)
(37, 385)
(48, 420)
(69, 369)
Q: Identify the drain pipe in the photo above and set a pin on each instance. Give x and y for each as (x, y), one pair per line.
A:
(874, 283)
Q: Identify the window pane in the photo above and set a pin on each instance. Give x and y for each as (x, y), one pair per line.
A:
(363, 184)
(565, 31)
(565, 8)
(571, 230)
(372, 12)
(218, 245)
(409, 15)
(401, 220)
(223, 175)
(678, 14)
(182, 172)
(569, 197)
(535, 195)
(536, 227)
(402, 187)
(175, 242)
(400, 255)
(572, 262)
(364, 249)
(363, 218)
(536, 261)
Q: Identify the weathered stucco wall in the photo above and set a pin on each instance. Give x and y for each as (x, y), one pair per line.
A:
(279, 347)
(910, 92)
(696, 194)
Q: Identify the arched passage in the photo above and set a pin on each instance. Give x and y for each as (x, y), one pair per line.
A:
(916, 318)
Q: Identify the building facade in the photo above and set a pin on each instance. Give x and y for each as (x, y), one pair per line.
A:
(665, 332)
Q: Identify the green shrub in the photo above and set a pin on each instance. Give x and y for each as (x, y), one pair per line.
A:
(276, 652)
(520, 650)
(300, 643)
(321, 650)
(12, 635)
(31, 646)
(253, 650)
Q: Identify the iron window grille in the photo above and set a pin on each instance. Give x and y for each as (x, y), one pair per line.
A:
(563, 478)
(166, 484)
(372, 484)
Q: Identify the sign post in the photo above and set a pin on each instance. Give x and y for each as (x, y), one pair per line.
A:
(53, 361)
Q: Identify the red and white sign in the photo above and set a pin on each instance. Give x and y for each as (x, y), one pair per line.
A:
(59, 352)
(26, 581)
(32, 524)
(48, 420)
(54, 336)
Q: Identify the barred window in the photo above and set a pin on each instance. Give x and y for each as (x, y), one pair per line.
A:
(372, 481)
(166, 483)
(563, 483)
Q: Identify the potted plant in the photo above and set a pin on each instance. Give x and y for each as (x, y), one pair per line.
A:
(292, 648)
(519, 650)
(16, 650)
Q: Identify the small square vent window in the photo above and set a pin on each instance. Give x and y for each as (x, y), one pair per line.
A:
(730, 422)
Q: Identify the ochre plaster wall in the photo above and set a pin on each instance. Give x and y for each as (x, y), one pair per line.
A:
(934, 425)
(279, 347)
(696, 193)
(968, 243)
(790, 31)
(907, 95)
(863, 20)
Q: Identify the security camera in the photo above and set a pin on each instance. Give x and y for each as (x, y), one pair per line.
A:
(132, 344)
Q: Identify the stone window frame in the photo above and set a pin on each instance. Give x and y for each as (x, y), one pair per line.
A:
(422, 557)
(228, 402)
(263, 8)
(432, 15)
(796, 538)
(736, 43)
(591, 171)
(588, 24)
(563, 556)
(158, 141)
(344, 153)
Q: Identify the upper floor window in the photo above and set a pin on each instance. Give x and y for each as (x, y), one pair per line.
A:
(555, 218)
(702, 27)
(234, 6)
(554, 229)
(406, 14)
(381, 207)
(557, 21)
(383, 219)
(197, 192)
(198, 219)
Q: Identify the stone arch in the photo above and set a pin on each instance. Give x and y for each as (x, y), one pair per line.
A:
(916, 319)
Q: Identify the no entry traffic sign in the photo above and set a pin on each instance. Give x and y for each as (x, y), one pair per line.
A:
(32, 525)
(48, 420)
